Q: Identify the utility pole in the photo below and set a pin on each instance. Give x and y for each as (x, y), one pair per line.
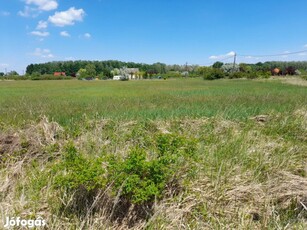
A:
(186, 69)
(234, 62)
(5, 71)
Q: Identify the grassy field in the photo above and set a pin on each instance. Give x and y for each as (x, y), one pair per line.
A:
(154, 154)
(64, 101)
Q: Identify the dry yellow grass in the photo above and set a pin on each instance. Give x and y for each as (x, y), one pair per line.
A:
(247, 176)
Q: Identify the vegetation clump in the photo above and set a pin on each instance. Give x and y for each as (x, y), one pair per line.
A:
(137, 179)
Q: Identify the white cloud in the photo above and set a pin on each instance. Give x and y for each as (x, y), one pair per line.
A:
(34, 7)
(64, 34)
(42, 25)
(213, 57)
(4, 65)
(28, 12)
(230, 54)
(302, 54)
(68, 17)
(69, 58)
(44, 53)
(40, 33)
(45, 5)
(87, 35)
(5, 13)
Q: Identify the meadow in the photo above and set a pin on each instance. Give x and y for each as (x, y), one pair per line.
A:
(67, 101)
(154, 154)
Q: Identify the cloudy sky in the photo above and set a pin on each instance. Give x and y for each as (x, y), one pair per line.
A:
(172, 31)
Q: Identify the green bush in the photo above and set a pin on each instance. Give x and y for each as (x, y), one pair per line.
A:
(237, 75)
(171, 74)
(102, 76)
(265, 74)
(258, 74)
(76, 171)
(14, 77)
(213, 74)
(142, 178)
(173, 145)
(139, 178)
(49, 77)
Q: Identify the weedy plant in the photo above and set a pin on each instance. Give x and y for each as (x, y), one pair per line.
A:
(138, 179)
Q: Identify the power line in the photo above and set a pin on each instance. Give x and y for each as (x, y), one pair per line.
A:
(227, 58)
(235, 55)
(272, 55)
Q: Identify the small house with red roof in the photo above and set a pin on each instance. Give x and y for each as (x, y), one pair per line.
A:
(56, 74)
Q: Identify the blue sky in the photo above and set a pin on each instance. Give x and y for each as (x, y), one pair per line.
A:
(169, 31)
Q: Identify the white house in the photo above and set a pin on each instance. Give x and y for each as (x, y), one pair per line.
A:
(127, 73)
(117, 77)
(132, 72)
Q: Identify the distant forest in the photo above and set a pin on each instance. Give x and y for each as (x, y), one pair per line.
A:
(106, 67)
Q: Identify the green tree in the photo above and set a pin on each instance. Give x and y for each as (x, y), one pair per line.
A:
(115, 72)
(230, 68)
(217, 65)
(12, 73)
(82, 73)
(90, 70)
(245, 68)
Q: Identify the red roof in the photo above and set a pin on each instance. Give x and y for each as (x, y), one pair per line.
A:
(59, 74)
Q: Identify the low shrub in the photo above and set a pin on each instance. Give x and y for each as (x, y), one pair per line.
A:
(49, 77)
(143, 178)
(252, 75)
(77, 171)
(258, 74)
(14, 77)
(79, 179)
(171, 74)
(237, 75)
(213, 74)
(139, 178)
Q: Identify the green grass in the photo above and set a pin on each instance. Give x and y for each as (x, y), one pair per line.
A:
(67, 101)
(154, 154)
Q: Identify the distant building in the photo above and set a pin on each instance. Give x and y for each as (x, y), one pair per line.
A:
(59, 74)
(132, 72)
(117, 77)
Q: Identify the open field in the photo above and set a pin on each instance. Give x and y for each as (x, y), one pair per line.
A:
(174, 154)
(68, 101)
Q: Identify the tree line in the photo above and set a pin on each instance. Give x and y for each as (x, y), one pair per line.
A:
(107, 69)
(71, 68)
